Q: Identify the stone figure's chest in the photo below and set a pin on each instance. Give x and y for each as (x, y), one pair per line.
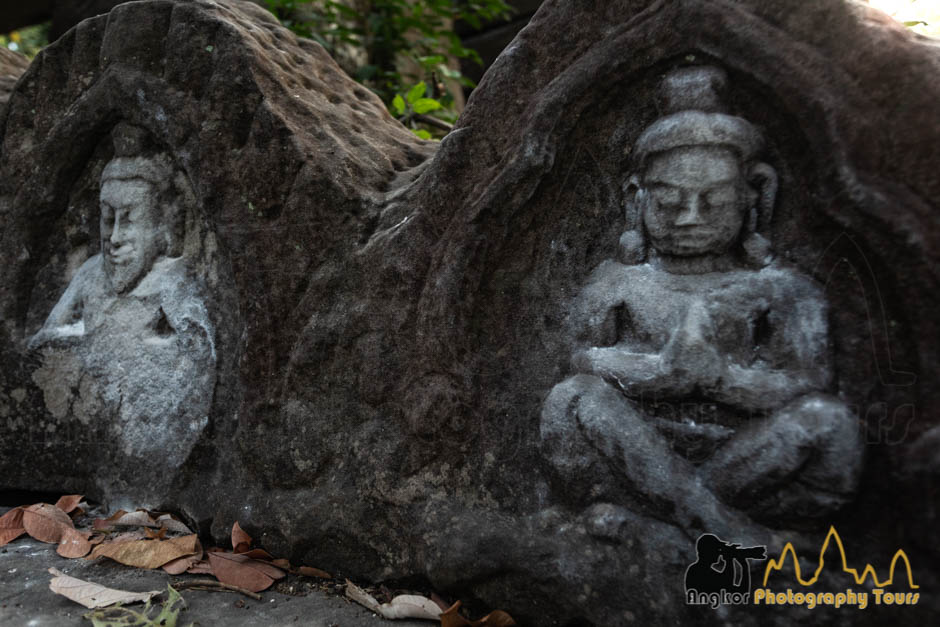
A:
(727, 315)
(129, 320)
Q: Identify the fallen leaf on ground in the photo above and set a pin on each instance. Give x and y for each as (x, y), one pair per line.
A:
(403, 606)
(182, 564)
(159, 535)
(241, 541)
(127, 536)
(147, 553)
(73, 544)
(202, 567)
(171, 524)
(259, 554)
(92, 595)
(499, 618)
(126, 617)
(244, 572)
(140, 518)
(11, 525)
(309, 571)
(45, 522)
(68, 502)
(283, 564)
(105, 523)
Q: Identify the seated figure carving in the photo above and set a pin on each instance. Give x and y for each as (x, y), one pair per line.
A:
(701, 366)
(134, 315)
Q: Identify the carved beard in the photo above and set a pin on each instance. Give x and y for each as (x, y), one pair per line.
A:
(124, 277)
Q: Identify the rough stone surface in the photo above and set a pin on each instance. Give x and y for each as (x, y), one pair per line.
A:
(391, 327)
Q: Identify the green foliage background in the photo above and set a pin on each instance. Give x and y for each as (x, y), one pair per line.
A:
(28, 41)
(386, 36)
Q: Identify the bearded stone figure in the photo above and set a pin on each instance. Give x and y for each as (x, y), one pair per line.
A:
(130, 341)
(702, 377)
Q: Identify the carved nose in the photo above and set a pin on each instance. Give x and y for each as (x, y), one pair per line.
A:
(116, 233)
(691, 213)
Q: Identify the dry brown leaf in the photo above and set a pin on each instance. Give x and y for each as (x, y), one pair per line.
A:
(127, 536)
(241, 541)
(106, 523)
(202, 567)
(159, 535)
(68, 502)
(403, 606)
(168, 522)
(259, 554)
(73, 544)
(283, 564)
(147, 553)
(45, 522)
(92, 595)
(244, 572)
(140, 518)
(499, 618)
(11, 525)
(309, 571)
(182, 564)
(363, 598)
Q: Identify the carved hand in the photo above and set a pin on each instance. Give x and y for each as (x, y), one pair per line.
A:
(633, 373)
(690, 356)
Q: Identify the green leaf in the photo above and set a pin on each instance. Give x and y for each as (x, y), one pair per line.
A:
(399, 103)
(449, 72)
(420, 132)
(118, 616)
(416, 92)
(430, 61)
(423, 105)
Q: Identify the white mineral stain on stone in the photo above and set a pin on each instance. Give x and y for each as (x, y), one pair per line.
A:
(300, 463)
(55, 378)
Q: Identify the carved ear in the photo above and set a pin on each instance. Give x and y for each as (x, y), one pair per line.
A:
(632, 195)
(756, 243)
(764, 178)
(632, 240)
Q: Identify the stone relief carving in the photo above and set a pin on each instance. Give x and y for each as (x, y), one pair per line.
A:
(701, 372)
(130, 341)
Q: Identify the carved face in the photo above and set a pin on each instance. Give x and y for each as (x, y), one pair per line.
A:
(697, 200)
(131, 237)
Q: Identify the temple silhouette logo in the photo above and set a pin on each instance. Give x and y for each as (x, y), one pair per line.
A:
(873, 590)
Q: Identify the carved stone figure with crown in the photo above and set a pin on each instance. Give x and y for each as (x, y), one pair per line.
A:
(701, 374)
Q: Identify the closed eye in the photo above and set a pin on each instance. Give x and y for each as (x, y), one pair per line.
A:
(667, 195)
(721, 195)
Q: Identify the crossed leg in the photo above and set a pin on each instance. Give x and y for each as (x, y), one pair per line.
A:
(593, 437)
(803, 461)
